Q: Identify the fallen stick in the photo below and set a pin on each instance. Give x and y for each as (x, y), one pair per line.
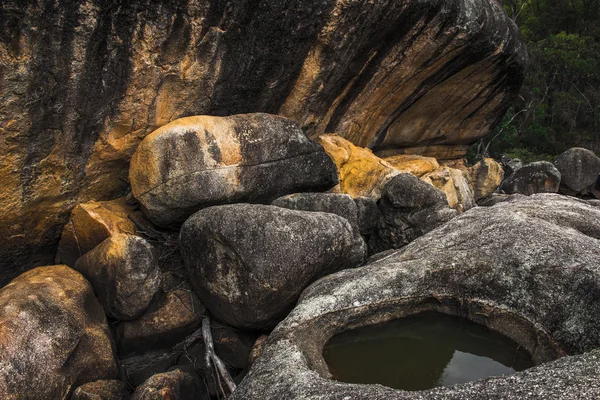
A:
(211, 355)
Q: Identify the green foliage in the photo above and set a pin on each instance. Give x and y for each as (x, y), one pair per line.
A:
(559, 104)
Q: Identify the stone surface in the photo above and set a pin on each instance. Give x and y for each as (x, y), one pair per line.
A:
(496, 198)
(124, 274)
(579, 169)
(249, 263)
(90, 224)
(79, 91)
(335, 203)
(368, 215)
(413, 164)
(409, 208)
(484, 178)
(232, 345)
(455, 186)
(360, 172)
(536, 177)
(527, 268)
(102, 390)
(165, 323)
(178, 384)
(196, 162)
(53, 335)
(511, 166)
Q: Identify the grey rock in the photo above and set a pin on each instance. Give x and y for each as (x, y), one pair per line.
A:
(497, 198)
(249, 263)
(368, 215)
(579, 169)
(409, 208)
(124, 273)
(536, 177)
(53, 335)
(102, 390)
(196, 162)
(511, 166)
(335, 203)
(527, 268)
(166, 322)
(179, 384)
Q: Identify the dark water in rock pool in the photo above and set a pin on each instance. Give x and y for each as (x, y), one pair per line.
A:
(423, 351)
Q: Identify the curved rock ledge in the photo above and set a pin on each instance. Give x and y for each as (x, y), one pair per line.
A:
(528, 268)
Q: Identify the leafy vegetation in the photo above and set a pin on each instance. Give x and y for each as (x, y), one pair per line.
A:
(559, 104)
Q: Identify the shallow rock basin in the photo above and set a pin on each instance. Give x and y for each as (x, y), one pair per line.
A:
(423, 351)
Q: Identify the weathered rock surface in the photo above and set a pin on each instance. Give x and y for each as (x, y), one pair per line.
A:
(196, 162)
(453, 183)
(90, 224)
(165, 323)
(335, 203)
(535, 177)
(485, 177)
(360, 172)
(178, 384)
(511, 166)
(413, 164)
(102, 390)
(124, 274)
(527, 268)
(249, 263)
(579, 169)
(409, 208)
(80, 90)
(53, 335)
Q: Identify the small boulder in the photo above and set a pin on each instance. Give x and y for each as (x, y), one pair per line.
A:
(179, 384)
(361, 173)
(53, 335)
(124, 274)
(232, 345)
(249, 263)
(511, 166)
(110, 389)
(413, 164)
(485, 177)
(536, 177)
(410, 208)
(165, 323)
(90, 224)
(453, 183)
(195, 162)
(579, 169)
(335, 203)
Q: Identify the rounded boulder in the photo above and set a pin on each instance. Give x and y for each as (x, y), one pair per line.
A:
(249, 263)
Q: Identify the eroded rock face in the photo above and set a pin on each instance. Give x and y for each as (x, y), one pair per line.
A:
(453, 183)
(535, 177)
(196, 162)
(82, 89)
(361, 173)
(249, 263)
(124, 274)
(485, 177)
(90, 224)
(527, 268)
(53, 335)
(579, 169)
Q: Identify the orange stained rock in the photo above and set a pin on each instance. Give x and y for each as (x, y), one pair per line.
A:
(90, 224)
(413, 164)
(361, 173)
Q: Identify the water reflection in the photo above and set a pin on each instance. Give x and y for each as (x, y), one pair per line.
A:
(423, 351)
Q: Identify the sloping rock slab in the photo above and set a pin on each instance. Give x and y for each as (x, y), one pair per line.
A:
(528, 269)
